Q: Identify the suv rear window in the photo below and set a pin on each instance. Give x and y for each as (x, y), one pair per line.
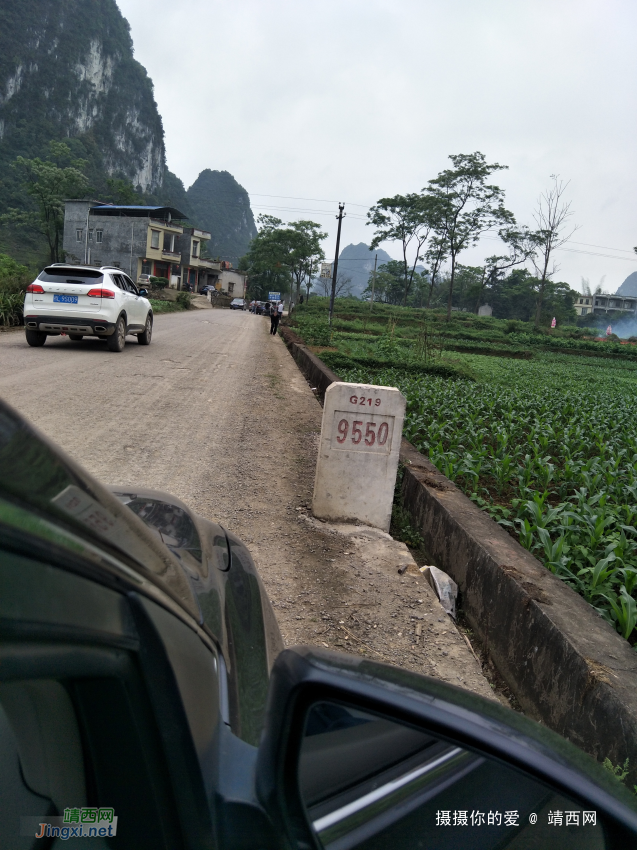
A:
(81, 276)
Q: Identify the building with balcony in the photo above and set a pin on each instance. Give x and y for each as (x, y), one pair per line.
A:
(196, 270)
(139, 240)
(614, 304)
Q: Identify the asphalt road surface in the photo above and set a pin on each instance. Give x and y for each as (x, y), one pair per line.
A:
(216, 412)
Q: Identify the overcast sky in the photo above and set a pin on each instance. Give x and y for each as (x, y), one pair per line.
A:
(353, 100)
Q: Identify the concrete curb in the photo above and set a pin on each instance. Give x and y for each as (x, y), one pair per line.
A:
(566, 666)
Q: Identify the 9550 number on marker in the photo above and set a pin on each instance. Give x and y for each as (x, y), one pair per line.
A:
(363, 432)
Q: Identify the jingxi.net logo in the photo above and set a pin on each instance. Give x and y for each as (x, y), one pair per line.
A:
(85, 822)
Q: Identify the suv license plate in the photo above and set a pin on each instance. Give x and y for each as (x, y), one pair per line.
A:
(66, 299)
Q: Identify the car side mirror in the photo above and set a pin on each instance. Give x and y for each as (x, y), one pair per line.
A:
(359, 754)
(143, 292)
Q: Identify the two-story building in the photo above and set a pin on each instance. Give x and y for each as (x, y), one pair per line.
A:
(583, 304)
(148, 240)
(615, 304)
(139, 240)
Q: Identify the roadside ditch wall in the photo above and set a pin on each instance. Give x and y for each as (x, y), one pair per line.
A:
(565, 665)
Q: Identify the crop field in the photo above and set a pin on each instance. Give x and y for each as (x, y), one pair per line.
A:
(398, 332)
(548, 447)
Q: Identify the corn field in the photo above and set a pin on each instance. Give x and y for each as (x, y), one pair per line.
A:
(549, 449)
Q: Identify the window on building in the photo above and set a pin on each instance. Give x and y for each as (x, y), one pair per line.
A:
(79, 234)
(90, 235)
(146, 267)
(584, 311)
(195, 248)
(230, 288)
(154, 238)
(169, 242)
(587, 301)
(98, 235)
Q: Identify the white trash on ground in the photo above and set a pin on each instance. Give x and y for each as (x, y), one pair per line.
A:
(444, 587)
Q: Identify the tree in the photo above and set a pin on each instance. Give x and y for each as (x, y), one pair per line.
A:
(343, 286)
(465, 206)
(515, 297)
(551, 216)
(49, 182)
(521, 244)
(279, 256)
(436, 255)
(307, 251)
(389, 283)
(406, 219)
(122, 192)
(268, 259)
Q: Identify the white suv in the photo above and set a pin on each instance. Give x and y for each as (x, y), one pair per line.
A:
(83, 301)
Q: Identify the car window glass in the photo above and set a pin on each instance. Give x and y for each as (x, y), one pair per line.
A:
(117, 281)
(71, 276)
(374, 784)
(129, 284)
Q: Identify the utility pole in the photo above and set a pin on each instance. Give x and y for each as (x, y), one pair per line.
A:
(86, 237)
(371, 304)
(130, 265)
(341, 207)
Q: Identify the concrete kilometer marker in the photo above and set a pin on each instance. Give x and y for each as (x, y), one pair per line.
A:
(358, 455)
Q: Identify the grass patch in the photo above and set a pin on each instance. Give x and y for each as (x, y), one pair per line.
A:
(166, 306)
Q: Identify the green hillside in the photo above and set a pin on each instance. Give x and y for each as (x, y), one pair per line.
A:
(222, 206)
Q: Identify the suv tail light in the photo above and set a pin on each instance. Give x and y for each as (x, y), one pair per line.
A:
(35, 287)
(100, 293)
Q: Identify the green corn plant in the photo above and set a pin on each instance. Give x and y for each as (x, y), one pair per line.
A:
(625, 610)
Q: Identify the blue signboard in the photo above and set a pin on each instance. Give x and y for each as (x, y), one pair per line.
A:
(274, 296)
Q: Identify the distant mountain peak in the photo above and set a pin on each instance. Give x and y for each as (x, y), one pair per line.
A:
(357, 262)
(222, 206)
(629, 286)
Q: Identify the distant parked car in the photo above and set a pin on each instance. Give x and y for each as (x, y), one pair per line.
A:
(144, 280)
(237, 304)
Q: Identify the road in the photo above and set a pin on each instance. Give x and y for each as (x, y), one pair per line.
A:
(216, 412)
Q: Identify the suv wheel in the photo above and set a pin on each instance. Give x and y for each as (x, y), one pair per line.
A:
(145, 337)
(35, 338)
(117, 340)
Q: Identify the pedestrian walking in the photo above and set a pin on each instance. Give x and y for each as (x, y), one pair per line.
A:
(277, 317)
(274, 318)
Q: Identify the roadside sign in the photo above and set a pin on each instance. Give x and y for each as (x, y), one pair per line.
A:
(274, 296)
(326, 270)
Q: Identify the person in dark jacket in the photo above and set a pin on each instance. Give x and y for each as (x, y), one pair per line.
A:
(274, 318)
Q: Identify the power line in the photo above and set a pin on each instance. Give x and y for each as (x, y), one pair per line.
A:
(320, 200)
(368, 206)
(606, 247)
(590, 253)
(302, 210)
